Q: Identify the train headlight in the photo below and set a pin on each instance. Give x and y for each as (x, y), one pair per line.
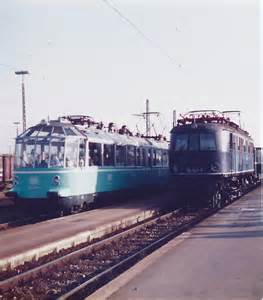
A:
(56, 180)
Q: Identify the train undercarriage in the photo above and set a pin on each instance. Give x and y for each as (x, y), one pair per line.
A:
(211, 191)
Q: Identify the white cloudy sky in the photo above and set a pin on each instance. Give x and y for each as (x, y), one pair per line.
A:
(83, 58)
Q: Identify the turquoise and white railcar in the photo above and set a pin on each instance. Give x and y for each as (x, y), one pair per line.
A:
(59, 163)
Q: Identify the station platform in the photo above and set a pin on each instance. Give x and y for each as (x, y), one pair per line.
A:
(220, 258)
(28, 242)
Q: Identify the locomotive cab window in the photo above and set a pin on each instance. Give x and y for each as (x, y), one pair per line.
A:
(194, 142)
(207, 142)
(181, 142)
(165, 158)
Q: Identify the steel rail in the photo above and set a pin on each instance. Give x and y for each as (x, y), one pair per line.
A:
(91, 285)
(13, 281)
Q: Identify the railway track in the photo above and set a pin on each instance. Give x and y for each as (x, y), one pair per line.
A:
(79, 273)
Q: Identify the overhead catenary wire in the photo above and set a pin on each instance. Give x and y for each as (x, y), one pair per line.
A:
(140, 32)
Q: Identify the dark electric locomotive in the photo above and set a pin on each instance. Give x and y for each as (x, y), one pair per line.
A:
(211, 159)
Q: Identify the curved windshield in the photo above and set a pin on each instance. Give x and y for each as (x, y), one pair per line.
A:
(207, 142)
(181, 143)
(39, 153)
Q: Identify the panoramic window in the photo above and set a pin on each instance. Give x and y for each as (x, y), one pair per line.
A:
(58, 131)
(45, 131)
(181, 142)
(71, 152)
(82, 153)
(108, 155)
(56, 153)
(120, 155)
(207, 142)
(25, 154)
(69, 131)
(94, 154)
(35, 153)
(131, 161)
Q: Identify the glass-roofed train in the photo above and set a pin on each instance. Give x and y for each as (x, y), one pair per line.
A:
(70, 162)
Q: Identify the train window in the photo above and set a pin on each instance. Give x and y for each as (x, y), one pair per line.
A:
(144, 157)
(138, 157)
(120, 155)
(25, 154)
(82, 153)
(18, 155)
(58, 131)
(194, 142)
(131, 155)
(231, 141)
(69, 131)
(154, 157)
(45, 131)
(108, 155)
(165, 158)
(158, 157)
(240, 145)
(207, 142)
(149, 157)
(246, 147)
(226, 141)
(56, 154)
(94, 154)
(71, 152)
(42, 154)
(181, 142)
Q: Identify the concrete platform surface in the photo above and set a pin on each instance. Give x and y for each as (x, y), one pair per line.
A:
(221, 258)
(32, 241)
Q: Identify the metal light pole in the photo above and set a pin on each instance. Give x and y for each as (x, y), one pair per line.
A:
(16, 123)
(22, 73)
